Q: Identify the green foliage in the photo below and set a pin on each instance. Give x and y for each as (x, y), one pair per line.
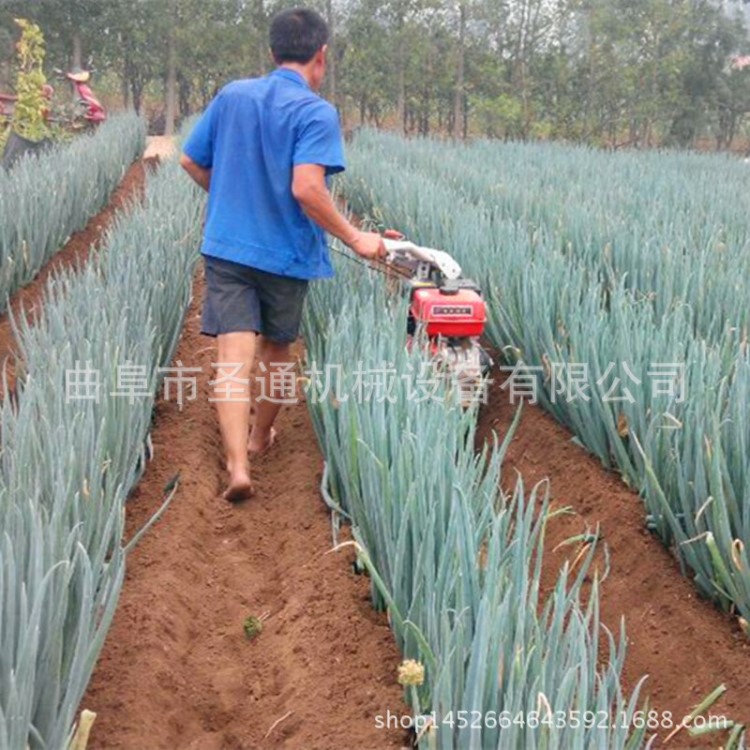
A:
(28, 116)
(45, 198)
(253, 626)
(499, 116)
(69, 462)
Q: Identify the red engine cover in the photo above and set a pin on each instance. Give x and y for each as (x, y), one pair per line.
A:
(450, 315)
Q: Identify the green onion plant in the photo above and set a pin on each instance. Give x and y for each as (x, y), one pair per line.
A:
(47, 197)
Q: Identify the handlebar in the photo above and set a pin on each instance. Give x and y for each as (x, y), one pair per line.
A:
(63, 74)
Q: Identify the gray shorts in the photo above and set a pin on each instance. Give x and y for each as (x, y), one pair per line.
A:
(240, 298)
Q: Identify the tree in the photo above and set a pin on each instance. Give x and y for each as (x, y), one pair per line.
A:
(460, 94)
(72, 27)
(28, 116)
(132, 45)
(609, 72)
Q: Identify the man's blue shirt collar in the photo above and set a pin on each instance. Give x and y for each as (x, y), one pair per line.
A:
(291, 75)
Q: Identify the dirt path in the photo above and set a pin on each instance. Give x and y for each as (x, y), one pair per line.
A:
(176, 670)
(686, 646)
(161, 146)
(76, 251)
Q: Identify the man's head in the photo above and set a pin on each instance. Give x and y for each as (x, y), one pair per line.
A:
(298, 39)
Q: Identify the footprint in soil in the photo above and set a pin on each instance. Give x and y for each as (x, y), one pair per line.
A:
(214, 741)
(229, 691)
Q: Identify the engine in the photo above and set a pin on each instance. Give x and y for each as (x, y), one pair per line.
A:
(453, 310)
(453, 316)
(448, 308)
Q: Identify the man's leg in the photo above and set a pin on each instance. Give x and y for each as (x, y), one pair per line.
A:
(271, 392)
(234, 411)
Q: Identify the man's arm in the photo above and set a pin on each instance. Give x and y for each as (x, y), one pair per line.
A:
(311, 192)
(200, 175)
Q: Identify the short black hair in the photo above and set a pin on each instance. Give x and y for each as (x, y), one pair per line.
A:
(296, 35)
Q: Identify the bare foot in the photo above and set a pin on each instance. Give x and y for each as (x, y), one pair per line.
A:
(258, 444)
(240, 488)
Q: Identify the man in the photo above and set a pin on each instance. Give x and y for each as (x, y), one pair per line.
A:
(263, 150)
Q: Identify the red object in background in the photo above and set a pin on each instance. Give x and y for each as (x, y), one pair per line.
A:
(94, 109)
(7, 104)
(451, 314)
(95, 112)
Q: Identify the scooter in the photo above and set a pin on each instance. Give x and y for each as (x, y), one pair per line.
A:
(89, 110)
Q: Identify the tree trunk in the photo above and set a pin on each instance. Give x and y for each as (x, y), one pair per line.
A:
(458, 95)
(401, 102)
(170, 108)
(77, 60)
(125, 92)
(465, 118)
(4, 75)
(132, 75)
(137, 90)
(260, 23)
(183, 94)
(331, 57)
(427, 89)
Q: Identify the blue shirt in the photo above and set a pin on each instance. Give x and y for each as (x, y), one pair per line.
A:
(251, 137)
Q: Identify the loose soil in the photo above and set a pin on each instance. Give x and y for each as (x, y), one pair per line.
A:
(26, 301)
(681, 641)
(176, 670)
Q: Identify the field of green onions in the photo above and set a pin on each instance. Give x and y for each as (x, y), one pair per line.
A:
(46, 198)
(613, 262)
(67, 465)
(584, 257)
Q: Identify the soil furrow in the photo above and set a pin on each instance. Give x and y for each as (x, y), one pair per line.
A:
(177, 670)
(685, 645)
